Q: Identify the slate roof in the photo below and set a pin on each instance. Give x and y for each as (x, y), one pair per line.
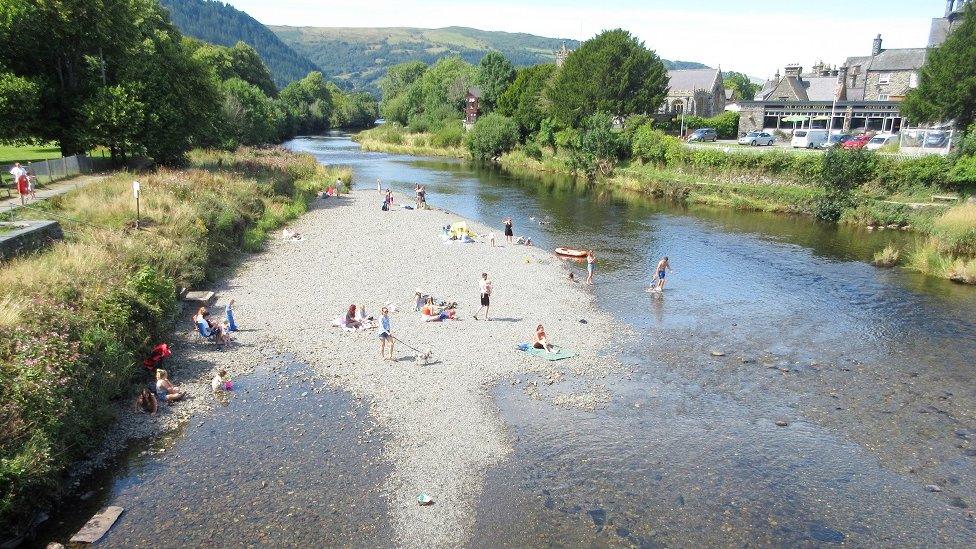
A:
(475, 91)
(904, 59)
(820, 88)
(692, 79)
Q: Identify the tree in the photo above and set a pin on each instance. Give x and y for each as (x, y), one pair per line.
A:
(249, 116)
(399, 77)
(444, 85)
(741, 85)
(947, 84)
(492, 136)
(612, 73)
(523, 99)
(114, 118)
(495, 73)
(19, 106)
(307, 105)
(248, 66)
(596, 147)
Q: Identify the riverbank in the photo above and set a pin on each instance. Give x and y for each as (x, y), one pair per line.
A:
(443, 431)
(78, 319)
(899, 201)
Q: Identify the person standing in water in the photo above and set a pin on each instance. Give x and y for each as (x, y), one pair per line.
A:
(379, 188)
(509, 233)
(590, 263)
(485, 284)
(662, 267)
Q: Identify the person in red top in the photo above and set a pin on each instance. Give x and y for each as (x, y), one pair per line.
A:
(20, 178)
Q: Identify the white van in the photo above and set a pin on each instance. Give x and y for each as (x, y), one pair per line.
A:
(809, 139)
(880, 140)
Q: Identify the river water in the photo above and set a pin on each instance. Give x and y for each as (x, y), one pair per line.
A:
(873, 370)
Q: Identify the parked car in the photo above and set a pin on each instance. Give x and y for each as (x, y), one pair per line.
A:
(936, 139)
(756, 139)
(808, 139)
(703, 134)
(880, 140)
(857, 142)
(837, 140)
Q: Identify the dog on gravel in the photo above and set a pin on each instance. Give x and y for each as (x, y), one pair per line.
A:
(423, 359)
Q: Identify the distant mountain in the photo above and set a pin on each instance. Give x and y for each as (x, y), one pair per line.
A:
(221, 24)
(360, 56)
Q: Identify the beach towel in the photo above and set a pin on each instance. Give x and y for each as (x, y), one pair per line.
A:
(558, 354)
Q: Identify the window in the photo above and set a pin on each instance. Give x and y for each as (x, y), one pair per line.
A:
(913, 80)
(884, 78)
(884, 97)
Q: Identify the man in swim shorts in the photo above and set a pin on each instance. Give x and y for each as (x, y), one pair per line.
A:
(485, 285)
(662, 267)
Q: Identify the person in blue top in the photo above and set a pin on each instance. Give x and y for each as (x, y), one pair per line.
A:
(385, 334)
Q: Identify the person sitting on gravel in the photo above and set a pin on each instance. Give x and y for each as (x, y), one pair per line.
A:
(350, 320)
(541, 340)
(146, 402)
(209, 327)
(165, 390)
(433, 313)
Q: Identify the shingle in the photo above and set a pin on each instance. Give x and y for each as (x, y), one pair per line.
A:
(904, 59)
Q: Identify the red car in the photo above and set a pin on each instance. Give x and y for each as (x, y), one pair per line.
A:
(857, 142)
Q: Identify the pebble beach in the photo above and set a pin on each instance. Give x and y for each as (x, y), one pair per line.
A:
(444, 430)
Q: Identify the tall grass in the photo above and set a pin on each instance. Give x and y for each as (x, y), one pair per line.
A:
(76, 319)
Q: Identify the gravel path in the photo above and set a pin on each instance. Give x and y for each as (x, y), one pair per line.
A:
(444, 430)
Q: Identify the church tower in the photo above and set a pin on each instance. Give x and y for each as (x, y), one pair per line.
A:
(943, 26)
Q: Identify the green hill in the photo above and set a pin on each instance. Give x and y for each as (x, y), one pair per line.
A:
(221, 24)
(360, 56)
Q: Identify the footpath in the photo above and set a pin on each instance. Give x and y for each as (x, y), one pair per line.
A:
(11, 203)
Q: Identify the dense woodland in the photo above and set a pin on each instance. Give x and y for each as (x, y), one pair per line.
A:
(120, 75)
(219, 23)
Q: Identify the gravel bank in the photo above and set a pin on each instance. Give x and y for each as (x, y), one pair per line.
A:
(445, 431)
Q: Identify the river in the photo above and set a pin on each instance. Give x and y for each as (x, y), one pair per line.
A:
(842, 409)
(872, 369)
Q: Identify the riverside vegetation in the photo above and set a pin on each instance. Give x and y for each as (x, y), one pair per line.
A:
(587, 119)
(76, 320)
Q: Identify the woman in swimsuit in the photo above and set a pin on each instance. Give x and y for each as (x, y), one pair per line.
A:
(351, 321)
(509, 233)
(590, 263)
(541, 340)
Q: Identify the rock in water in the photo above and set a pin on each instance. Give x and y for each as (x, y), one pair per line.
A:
(98, 525)
(781, 423)
(718, 353)
(933, 488)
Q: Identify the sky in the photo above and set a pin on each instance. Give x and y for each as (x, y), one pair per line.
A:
(751, 36)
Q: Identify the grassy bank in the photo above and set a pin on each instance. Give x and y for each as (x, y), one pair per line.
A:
(76, 320)
(897, 195)
(395, 140)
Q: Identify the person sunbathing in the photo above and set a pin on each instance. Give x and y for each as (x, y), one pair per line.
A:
(433, 313)
(541, 340)
(165, 390)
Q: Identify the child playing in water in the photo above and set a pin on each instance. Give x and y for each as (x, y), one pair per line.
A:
(221, 382)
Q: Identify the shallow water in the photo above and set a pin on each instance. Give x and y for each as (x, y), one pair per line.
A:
(286, 462)
(872, 370)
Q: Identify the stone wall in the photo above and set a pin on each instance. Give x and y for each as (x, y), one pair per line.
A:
(751, 118)
(28, 236)
(898, 85)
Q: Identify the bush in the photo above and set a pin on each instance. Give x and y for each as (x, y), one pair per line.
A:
(449, 135)
(532, 150)
(842, 171)
(492, 136)
(963, 173)
(926, 171)
(888, 257)
(651, 146)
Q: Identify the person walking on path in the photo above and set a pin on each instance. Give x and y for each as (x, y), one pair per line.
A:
(20, 179)
(486, 285)
(662, 267)
(386, 336)
(590, 263)
(509, 233)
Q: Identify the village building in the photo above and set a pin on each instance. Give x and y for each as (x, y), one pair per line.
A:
(472, 107)
(561, 54)
(695, 92)
(864, 93)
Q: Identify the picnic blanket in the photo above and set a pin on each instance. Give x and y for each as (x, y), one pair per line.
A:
(558, 354)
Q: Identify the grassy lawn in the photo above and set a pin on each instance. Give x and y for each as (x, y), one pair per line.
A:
(10, 153)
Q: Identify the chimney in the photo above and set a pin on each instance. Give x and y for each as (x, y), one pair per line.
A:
(841, 90)
(949, 7)
(793, 70)
(876, 46)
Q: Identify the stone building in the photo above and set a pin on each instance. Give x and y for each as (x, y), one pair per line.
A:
(472, 107)
(697, 92)
(862, 94)
(561, 54)
(943, 26)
